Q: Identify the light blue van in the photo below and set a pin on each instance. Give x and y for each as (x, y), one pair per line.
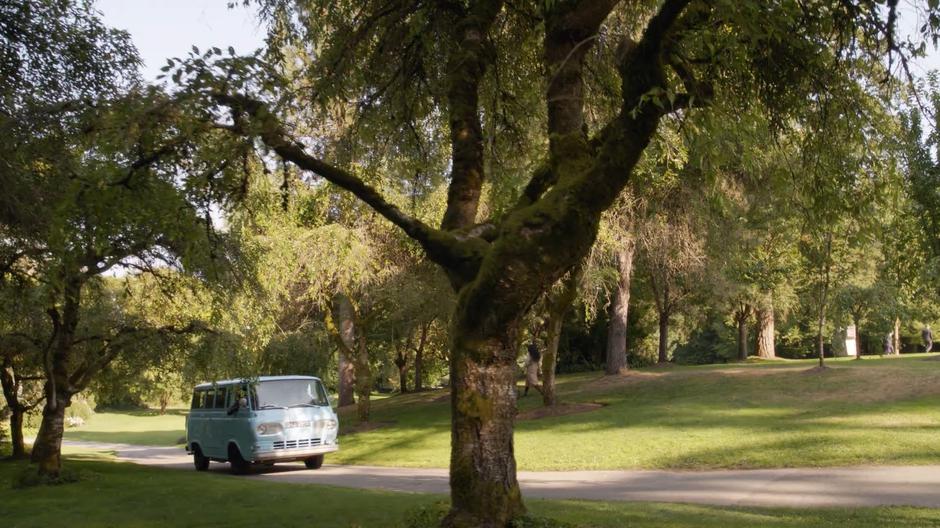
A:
(261, 421)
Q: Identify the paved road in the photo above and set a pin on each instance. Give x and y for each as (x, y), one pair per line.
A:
(823, 487)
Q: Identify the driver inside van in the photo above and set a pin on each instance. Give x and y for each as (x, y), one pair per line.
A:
(238, 402)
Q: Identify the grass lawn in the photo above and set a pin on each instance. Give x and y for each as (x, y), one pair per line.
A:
(146, 427)
(751, 415)
(117, 494)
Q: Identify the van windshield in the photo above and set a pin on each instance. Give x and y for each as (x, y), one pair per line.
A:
(283, 394)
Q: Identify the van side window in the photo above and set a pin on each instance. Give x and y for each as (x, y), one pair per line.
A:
(198, 399)
(220, 398)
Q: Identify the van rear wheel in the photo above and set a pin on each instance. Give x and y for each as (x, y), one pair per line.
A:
(200, 461)
(239, 465)
(314, 462)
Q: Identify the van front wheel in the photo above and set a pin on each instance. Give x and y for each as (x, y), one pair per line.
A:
(239, 465)
(199, 460)
(314, 462)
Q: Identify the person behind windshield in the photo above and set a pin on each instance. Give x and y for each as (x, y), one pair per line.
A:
(238, 402)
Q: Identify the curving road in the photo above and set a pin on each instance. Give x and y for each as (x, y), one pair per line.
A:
(803, 487)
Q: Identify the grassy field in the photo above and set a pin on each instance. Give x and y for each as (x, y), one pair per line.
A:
(754, 415)
(117, 494)
(145, 427)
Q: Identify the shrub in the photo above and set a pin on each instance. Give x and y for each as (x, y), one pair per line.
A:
(82, 408)
(713, 344)
(30, 478)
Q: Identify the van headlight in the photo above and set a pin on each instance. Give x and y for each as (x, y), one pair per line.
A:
(269, 429)
(328, 424)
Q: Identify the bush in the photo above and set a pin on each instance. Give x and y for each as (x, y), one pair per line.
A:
(82, 408)
(30, 478)
(430, 517)
(712, 344)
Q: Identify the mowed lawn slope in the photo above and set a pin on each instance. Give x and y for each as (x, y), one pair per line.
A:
(753, 415)
(116, 494)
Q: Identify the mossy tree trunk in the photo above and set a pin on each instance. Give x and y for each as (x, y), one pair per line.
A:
(619, 311)
(499, 271)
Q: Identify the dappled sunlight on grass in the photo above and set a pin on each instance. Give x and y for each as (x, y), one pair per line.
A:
(144, 427)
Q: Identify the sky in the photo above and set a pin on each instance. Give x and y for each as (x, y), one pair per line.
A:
(169, 28)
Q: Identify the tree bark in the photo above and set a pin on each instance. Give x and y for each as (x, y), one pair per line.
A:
(741, 315)
(419, 356)
(766, 348)
(663, 336)
(10, 384)
(558, 306)
(353, 345)
(47, 448)
(16, 433)
(401, 362)
(347, 380)
(896, 336)
(619, 311)
(484, 490)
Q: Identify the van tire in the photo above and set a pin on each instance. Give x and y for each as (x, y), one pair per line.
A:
(314, 462)
(239, 465)
(200, 461)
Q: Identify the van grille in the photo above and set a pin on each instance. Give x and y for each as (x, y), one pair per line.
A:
(294, 444)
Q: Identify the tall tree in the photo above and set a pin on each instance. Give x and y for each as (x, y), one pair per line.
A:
(416, 67)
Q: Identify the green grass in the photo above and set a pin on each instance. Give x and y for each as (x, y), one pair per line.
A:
(146, 427)
(117, 494)
(751, 415)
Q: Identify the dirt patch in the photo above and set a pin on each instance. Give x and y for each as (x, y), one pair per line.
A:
(362, 427)
(818, 369)
(562, 409)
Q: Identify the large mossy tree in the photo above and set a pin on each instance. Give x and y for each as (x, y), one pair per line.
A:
(494, 82)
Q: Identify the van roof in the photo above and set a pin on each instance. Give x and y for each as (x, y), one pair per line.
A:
(259, 378)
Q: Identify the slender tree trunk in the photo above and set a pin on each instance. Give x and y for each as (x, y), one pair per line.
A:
(897, 336)
(742, 338)
(10, 384)
(343, 326)
(765, 332)
(347, 381)
(856, 320)
(550, 359)
(16, 433)
(820, 339)
(403, 379)
(663, 336)
(401, 362)
(363, 380)
(619, 310)
(419, 369)
(559, 303)
(419, 356)
(47, 448)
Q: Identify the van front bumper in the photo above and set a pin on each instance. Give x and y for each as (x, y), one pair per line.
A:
(287, 455)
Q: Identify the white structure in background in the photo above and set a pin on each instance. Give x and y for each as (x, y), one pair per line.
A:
(851, 343)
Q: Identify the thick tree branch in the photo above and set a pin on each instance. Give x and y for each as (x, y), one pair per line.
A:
(458, 256)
